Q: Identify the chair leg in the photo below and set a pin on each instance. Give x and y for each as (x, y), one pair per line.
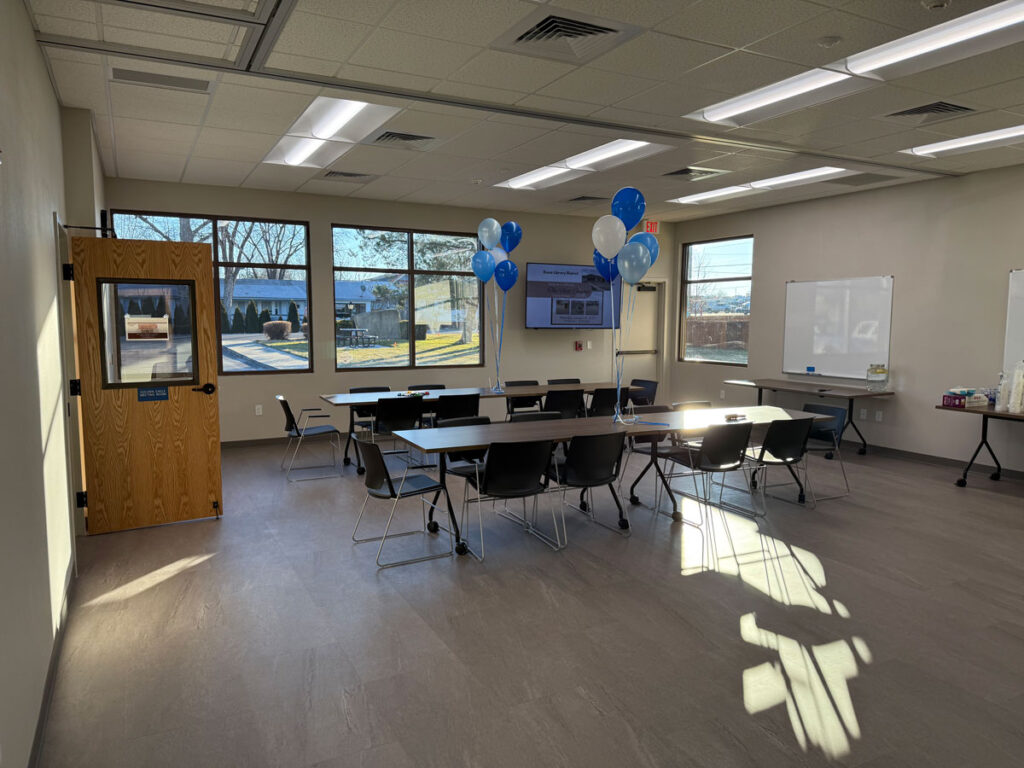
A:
(286, 449)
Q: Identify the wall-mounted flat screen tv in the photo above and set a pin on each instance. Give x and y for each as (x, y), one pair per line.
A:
(570, 296)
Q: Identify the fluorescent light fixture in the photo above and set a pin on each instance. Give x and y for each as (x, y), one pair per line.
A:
(337, 118)
(712, 195)
(1014, 135)
(303, 148)
(968, 27)
(781, 91)
(794, 179)
(527, 180)
(586, 160)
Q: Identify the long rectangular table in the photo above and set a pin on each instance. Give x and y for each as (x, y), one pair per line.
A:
(688, 424)
(986, 413)
(817, 389)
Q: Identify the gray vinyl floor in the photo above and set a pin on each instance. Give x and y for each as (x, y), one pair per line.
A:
(884, 630)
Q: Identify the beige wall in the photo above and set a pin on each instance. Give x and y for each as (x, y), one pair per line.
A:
(35, 545)
(535, 354)
(950, 244)
(83, 173)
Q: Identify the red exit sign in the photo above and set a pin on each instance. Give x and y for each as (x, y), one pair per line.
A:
(651, 226)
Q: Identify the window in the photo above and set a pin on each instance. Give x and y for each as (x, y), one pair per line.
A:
(261, 276)
(405, 299)
(714, 325)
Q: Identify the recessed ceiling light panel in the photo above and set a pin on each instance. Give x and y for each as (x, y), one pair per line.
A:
(764, 185)
(341, 119)
(306, 152)
(987, 140)
(597, 159)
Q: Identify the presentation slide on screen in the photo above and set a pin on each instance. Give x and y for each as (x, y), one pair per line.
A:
(568, 296)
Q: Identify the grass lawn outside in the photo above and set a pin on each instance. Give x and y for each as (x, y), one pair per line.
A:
(300, 348)
(436, 349)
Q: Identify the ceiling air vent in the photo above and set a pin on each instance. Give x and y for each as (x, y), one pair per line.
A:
(693, 173)
(403, 140)
(577, 38)
(347, 176)
(928, 113)
(135, 77)
(587, 199)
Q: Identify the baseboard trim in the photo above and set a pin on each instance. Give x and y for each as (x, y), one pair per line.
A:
(257, 441)
(51, 678)
(850, 449)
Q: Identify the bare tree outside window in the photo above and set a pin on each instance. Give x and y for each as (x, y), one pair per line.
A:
(715, 316)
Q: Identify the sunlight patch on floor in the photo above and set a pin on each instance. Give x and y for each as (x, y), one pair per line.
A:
(137, 586)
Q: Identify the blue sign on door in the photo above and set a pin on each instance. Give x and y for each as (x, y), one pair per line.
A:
(152, 394)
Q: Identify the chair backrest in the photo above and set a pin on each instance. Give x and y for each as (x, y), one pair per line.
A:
(723, 446)
(690, 405)
(425, 387)
(639, 409)
(377, 478)
(563, 381)
(396, 413)
(366, 411)
(526, 401)
(786, 439)
(568, 402)
(465, 421)
(516, 469)
(644, 391)
(533, 416)
(603, 401)
(594, 459)
(290, 425)
(455, 406)
(824, 430)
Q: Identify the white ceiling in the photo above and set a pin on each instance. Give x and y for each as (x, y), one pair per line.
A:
(497, 114)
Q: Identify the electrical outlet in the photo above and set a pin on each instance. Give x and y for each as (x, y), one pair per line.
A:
(259, 410)
(721, 394)
(878, 415)
(590, 344)
(863, 414)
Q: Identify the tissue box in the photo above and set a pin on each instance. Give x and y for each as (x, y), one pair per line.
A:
(954, 401)
(977, 400)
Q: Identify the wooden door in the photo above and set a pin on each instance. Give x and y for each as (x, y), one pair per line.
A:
(147, 359)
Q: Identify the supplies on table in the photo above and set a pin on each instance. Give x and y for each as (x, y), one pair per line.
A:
(964, 397)
(877, 377)
(1011, 390)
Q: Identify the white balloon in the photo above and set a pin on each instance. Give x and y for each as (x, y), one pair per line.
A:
(609, 235)
(499, 255)
(489, 233)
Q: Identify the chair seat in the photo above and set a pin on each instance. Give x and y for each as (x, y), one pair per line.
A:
(754, 454)
(569, 477)
(414, 485)
(539, 488)
(322, 429)
(688, 458)
(465, 468)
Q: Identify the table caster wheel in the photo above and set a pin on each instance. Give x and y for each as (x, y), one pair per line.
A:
(360, 470)
(583, 504)
(802, 498)
(461, 548)
(829, 455)
(862, 451)
(346, 461)
(994, 476)
(677, 517)
(433, 527)
(961, 483)
(624, 524)
(634, 499)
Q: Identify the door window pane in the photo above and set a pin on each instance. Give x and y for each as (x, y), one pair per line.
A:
(447, 320)
(717, 321)
(264, 318)
(148, 332)
(371, 319)
(443, 253)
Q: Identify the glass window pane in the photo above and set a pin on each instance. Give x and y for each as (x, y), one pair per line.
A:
(372, 248)
(447, 320)
(371, 319)
(718, 321)
(264, 318)
(148, 332)
(725, 258)
(263, 242)
(179, 229)
(443, 253)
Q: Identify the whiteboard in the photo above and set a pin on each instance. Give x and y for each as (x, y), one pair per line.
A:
(1013, 349)
(838, 326)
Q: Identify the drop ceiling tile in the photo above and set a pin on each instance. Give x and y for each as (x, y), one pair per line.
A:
(551, 148)
(79, 10)
(55, 25)
(364, 158)
(557, 106)
(435, 124)
(672, 99)
(478, 93)
(355, 74)
(329, 187)
(402, 52)
(911, 16)
(255, 109)
(799, 123)
(491, 172)
(848, 133)
(305, 65)
(657, 56)
(154, 130)
(971, 124)
(643, 13)
(1001, 95)
(390, 188)
(170, 43)
(319, 37)
(800, 43)
(152, 166)
(983, 160)
(499, 199)
(488, 139)
(737, 23)
(160, 104)
(694, 153)
(501, 117)
(510, 71)
(225, 173)
(240, 146)
(596, 86)
(350, 10)
(970, 74)
(269, 83)
(67, 54)
(478, 21)
(879, 101)
(283, 177)
(439, 192)
(80, 85)
(739, 72)
(886, 145)
(127, 17)
(435, 166)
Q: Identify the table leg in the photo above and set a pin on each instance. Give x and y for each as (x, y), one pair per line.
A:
(984, 443)
(850, 423)
(634, 499)
(442, 466)
(760, 395)
(351, 428)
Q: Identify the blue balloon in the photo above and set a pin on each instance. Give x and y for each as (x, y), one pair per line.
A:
(629, 205)
(483, 265)
(511, 234)
(634, 261)
(607, 268)
(506, 274)
(650, 241)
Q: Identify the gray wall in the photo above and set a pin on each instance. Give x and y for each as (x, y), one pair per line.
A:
(35, 546)
(950, 244)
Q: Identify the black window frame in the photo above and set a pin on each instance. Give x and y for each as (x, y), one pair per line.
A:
(684, 285)
(217, 264)
(411, 272)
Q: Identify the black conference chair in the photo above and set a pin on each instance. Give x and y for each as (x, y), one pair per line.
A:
(602, 403)
(515, 471)
(568, 402)
(722, 450)
(464, 463)
(534, 416)
(380, 485)
(593, 461)
(456, 406)
(827, 436)
(299, 430)
(521, 402)
(643, 391)
(395, 414)
(360, 418)
(563, 381)
(425, 387)
(784, 445)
